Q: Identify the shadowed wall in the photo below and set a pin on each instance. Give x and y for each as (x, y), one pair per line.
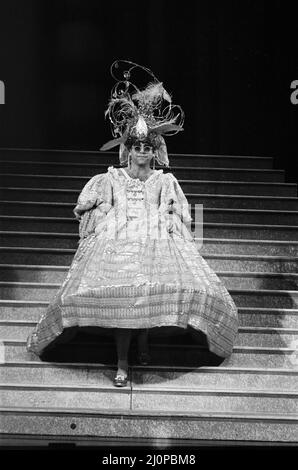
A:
(227, 64)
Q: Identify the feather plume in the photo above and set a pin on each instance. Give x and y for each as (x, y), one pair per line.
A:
(166, 127)
(166, 96)
(112, 143)
(162, 153)
(152, 93)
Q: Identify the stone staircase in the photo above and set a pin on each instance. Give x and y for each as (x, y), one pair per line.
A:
(186, 394)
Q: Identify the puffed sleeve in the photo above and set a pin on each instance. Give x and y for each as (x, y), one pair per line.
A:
(172, 199)
(94, 202)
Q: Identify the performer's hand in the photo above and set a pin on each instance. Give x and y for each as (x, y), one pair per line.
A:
(77, 215)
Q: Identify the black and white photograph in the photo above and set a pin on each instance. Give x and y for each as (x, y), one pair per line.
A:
(149, 231)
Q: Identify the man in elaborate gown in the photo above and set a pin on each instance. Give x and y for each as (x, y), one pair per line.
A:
(137, 266)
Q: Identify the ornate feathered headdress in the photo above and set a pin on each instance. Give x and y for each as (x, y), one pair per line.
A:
(140, 114)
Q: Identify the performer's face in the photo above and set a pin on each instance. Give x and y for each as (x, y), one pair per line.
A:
(142, 153)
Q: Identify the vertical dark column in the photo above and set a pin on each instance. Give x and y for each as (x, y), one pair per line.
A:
(20, 37)
(284, 52)
(242, 77)
(183, 45)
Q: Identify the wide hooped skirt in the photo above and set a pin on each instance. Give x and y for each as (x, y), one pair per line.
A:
(140, 283)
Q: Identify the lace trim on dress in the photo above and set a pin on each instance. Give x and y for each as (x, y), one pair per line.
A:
(120, 172)
(149, 177)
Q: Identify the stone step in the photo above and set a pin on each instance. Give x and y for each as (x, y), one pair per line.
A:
(243, 263)
(19, 310)
(210, 245)
(248, 216)
(269, 298)
(89, 170)
(112, 158)
(244, 247)
(140, 398)
(239, 202)
(48, 194)
(255, 216)
(156, 426)
(266, 317)
(191, 186)
(175, 355)
(250, 231)
(231, 279)
(210, 229)
(247, 336)
(271, 281)
(208, 200)
(102, 395)
(184, 377)
(265, 337)
(170, 399)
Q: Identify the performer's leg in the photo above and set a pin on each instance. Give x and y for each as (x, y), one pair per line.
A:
(143, 347)
(123, 338)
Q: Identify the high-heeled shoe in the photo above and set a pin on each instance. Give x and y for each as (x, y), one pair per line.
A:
(120, 380)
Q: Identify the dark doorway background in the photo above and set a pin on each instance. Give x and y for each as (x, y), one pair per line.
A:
(229, 64)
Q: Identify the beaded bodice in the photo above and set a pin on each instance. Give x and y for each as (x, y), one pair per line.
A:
(137, 195)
